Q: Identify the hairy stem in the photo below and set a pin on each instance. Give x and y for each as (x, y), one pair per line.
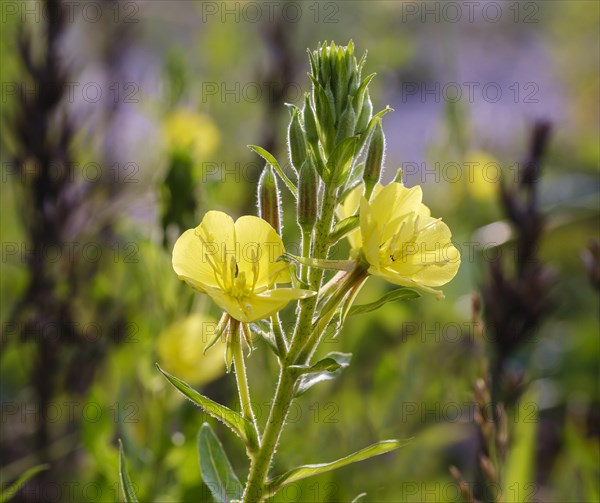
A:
(242, 380)
(259, 466)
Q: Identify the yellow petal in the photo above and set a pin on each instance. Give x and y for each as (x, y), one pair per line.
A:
(190, 263)
(257, 240)
(369, 232)
(257, 306)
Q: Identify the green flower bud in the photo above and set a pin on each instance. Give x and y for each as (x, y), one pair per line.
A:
(268, 198)
(374, 160)
(307, 196)
(347, 123)
(310, 123)
(296, 141)
(365, 115)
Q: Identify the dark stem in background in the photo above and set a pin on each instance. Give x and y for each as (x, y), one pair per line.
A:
(517, 297)
(57, 209)
(280, 72)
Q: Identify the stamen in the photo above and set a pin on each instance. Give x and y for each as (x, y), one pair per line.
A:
(255, 266)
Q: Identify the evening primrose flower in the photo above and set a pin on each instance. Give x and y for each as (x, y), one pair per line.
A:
(398, 239)
(188, 130)
(235, 263)
(180, 349)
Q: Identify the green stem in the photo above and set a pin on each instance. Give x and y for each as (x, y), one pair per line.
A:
(259, 467)
(306, 244)
(320, 250)
(242, 380)
(279, 336)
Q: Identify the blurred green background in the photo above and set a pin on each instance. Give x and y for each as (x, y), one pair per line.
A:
(162, 98)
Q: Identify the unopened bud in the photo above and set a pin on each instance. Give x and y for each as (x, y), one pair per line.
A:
(268, 198)
(347, 123)
(307, 195)
(296, 141)
(374, 160)
(310, 123)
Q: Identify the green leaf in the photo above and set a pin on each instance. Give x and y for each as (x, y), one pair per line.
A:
(234, 420)
(360, 94)
(324, 370)
(399, 294)
(306, 471)
(11, 491)
(344, 227)
(270, 158)
(519, 474)
(126, 485)
(338, 164)
(217, 471)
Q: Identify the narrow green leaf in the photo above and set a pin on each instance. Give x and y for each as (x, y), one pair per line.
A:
(324, 370)
(399, 294)
(306, 471)
(11, 491)
(344, 227)
(359, 497)
(126, 485)
(234, 420)
(360, 94)
(217, 471)
(270, 158)
(338, 164)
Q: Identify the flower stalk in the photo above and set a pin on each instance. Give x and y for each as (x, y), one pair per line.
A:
(244, 267)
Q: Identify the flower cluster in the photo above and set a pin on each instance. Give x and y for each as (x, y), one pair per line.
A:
(336, 150)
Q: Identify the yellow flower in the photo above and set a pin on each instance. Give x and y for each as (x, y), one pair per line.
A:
(398, 239)
(402, 242)
(483, 175)
(180, 349)
(236, 265)
(187, 130)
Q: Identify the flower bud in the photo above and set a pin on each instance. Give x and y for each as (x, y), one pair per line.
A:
(296, 141)
(307, 195)
(310, 123)
(374, 160)
(347, 123)
(268, 198)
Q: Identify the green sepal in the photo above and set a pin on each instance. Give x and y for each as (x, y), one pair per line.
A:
(11, 491)
(270, 158)
(306, 471)
(399, 294)
(218, 332)
(217, 471)
(126, 485)
(233, 420)
(324, 370)
(343, 228)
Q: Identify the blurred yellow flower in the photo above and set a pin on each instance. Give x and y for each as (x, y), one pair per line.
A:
(402, 243)
(190, 131)
(235, 263)
(483, 175)
(180, 349)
